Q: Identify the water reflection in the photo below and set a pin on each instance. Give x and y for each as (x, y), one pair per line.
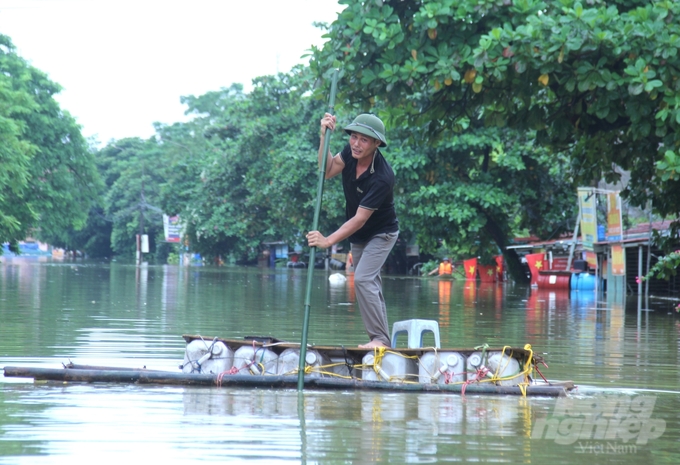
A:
(444, 290)
(422, 423)
(128, 316)
(267, 426)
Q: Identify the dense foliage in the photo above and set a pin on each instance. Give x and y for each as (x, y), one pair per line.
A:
(496, 111)
(256, 182)
(595, 81)
(479, 189)
(48, 181)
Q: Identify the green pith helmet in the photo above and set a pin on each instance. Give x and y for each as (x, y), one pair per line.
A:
(368, 125)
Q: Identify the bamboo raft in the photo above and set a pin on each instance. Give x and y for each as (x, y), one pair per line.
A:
(347, 370)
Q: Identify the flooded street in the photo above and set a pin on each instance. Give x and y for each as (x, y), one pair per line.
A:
(624, 360)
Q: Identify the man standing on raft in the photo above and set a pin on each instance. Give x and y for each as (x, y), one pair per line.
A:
(371, 221)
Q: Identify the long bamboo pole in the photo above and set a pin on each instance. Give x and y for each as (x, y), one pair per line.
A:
(171, 378)
(315, 226)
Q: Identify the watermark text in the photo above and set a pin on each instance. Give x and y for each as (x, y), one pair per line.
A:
(610, 419)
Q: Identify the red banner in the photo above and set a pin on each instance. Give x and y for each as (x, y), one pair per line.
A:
(499, 267)
(536, 263)
(487, 273)
(470, 268)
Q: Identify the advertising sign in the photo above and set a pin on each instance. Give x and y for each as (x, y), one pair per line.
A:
(587, 203)
(591, 259)
(172, 228)
(614, 220)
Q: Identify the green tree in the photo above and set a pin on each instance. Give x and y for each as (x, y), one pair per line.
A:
(258, 176)
(132, 170)
(49, 180)
(597, 83)
(15, 152)
(94, 239)
(185, 151)
(479, 189)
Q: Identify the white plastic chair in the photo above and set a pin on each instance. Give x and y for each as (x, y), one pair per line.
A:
(414, 330)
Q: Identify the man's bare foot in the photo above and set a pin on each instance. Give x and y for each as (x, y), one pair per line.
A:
(372, 345)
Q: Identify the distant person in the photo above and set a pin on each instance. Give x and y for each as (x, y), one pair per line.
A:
(445, 267)
(371, 221)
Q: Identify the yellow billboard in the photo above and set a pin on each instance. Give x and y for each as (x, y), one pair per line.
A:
(587, 204)
(614, 222)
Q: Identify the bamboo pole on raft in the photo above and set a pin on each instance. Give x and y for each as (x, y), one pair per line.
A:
(315, 226)
(171, 378)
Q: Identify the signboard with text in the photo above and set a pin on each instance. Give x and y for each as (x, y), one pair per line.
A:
(614, 221)
(172, 228)
(587, 204)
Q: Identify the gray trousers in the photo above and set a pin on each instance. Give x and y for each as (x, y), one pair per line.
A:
(368, 259)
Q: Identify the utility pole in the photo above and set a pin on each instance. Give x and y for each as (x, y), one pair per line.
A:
(142, 242)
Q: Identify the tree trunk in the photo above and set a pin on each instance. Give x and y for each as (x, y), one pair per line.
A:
(514, 264)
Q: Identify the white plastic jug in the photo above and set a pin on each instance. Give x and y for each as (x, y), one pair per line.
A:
(255, 361)
(207, 357)
(289, 362)
(392, 367)
(501, 365)
(505, 366)
(441, 367)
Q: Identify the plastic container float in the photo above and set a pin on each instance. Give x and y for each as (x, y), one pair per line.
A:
(554, 279)
(506, 367)
(207, 357)
(496, 363)
(340, 367)
(586, 282)
(583, 282)
(289, 362)
(392, 367)
(255, 361)
(473, 362)
(573, 284)
(441, 368)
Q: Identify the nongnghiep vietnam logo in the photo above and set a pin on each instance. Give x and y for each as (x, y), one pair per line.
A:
(603, 424)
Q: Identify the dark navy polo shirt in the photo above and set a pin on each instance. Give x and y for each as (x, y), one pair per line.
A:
(374, 191)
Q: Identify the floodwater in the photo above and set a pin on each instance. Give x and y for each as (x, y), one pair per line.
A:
(623, 358)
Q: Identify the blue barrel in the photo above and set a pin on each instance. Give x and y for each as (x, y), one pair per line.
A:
(574, 281)
(586, 282)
